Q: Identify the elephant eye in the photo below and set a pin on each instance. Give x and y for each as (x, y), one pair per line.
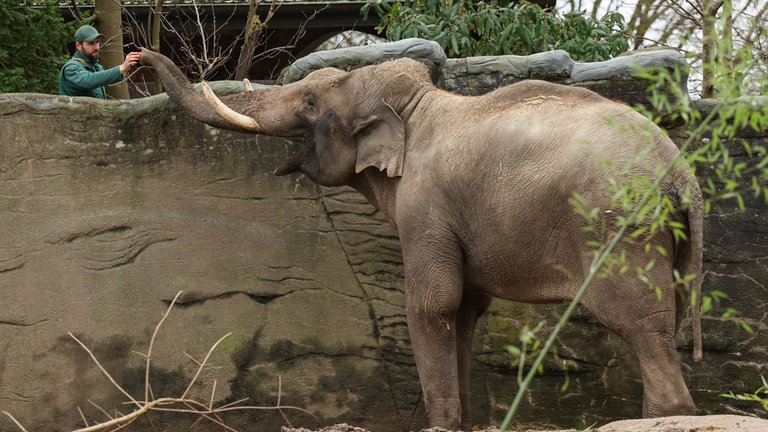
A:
(309, 103)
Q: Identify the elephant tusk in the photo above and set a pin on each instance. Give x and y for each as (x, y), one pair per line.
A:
(232, 116)
(247, 84)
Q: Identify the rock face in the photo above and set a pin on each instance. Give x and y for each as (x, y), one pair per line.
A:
(111, 208)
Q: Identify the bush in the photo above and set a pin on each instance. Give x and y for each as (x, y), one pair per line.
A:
(33, 46)
(465, 28)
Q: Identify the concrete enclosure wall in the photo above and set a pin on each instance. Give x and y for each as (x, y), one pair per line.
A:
(109, 209)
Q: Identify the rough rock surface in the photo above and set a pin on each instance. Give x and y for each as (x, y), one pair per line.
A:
(110, 208)
(427, 52)
(712, 423)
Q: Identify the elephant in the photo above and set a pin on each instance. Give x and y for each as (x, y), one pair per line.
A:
(481, 193)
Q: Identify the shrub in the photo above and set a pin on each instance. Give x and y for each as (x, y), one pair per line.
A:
(466, 28)
(34, 46)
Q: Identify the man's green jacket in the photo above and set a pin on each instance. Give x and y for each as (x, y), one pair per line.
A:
(83, 76)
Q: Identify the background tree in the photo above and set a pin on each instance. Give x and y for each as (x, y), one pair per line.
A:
(708, 31)
(468, 28)
(593, 30)
(33, 46)
(108, 19)
(153, 24)
(254, 28)
(199, 45)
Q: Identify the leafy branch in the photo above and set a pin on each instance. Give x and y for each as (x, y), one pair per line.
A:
(760, 395)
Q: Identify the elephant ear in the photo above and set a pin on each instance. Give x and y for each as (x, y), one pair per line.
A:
(380, 142)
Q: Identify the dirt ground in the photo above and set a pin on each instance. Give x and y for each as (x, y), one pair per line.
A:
(711, 423)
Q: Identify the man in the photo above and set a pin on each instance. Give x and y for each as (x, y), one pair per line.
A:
(82, 75)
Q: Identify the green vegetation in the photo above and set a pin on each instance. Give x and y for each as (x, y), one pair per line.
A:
(759, 396)
(467, 28)
(712, 139)
(33, 47)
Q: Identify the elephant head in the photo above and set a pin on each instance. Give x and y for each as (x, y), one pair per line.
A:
(350, 120)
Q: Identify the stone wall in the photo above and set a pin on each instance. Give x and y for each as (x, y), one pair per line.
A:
(111, 208)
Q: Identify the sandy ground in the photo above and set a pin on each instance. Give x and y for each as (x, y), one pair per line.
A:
(712, 423)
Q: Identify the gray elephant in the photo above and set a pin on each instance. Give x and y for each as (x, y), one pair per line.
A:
(480, 191)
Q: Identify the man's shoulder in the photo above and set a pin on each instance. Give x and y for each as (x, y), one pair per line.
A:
(78, 62)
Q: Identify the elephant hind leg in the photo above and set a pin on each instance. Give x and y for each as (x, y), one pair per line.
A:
(664, 389)
(648, 325)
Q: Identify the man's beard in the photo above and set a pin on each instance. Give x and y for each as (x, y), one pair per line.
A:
(93, 55)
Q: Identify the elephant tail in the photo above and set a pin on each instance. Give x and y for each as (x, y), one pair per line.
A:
(689, 261)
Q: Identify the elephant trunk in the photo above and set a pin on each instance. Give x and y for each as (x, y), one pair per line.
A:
(294, 164)
(206, 108)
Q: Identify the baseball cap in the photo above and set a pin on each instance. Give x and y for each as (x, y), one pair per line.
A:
(87, 33)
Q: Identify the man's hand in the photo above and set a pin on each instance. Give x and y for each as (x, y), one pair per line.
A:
(130, 60)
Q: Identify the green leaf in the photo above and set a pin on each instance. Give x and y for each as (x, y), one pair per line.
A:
(521, 29)
(747, 327)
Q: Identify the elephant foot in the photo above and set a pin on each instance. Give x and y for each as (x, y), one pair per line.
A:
(680, 406)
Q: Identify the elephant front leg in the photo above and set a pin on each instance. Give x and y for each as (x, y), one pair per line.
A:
(473, 305)
(433, 338)
(433, 298)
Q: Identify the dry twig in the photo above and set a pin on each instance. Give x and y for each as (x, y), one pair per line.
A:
(15, 421)
(182, 404)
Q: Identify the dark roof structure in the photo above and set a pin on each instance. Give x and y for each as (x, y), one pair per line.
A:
(296, 29)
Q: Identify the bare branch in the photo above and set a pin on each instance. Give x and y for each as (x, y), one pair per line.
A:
(106, 414)
(130, 417)
(213, 393)
(104, 371)
(152, 343)
(202, 365)
(14, 421)
(82, 416)
(183, 405)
